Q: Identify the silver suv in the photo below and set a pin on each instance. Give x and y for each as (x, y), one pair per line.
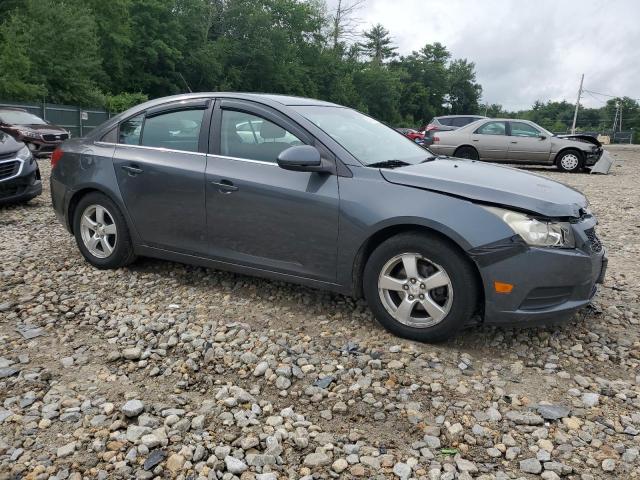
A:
(446, 123)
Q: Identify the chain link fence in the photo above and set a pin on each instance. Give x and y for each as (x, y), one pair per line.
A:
(79, 121)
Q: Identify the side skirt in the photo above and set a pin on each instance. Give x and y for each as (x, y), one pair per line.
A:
(162, 254)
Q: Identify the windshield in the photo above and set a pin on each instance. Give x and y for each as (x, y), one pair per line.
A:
(16, 117)
(368, 140)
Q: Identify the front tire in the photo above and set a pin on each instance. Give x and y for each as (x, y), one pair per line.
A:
(420, 287)
(101, 232)
(466, 152)
(571, 161)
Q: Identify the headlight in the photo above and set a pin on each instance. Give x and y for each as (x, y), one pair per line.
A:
(24, 153)
(536, 232)
(29, 134)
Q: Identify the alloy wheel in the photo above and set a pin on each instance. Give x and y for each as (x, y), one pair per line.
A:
(98, 230)
(415, 291)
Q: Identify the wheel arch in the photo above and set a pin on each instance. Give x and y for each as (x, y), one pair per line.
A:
(82, 192)
(466, 145)
(382, 234)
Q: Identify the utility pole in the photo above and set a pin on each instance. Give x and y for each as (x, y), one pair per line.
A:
(575, 114)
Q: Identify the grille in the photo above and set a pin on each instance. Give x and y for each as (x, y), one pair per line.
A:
(55, 138)
(594, 241)
(7, 155)
(9, 169)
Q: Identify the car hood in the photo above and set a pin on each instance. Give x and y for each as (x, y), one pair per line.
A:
(492, 184)
(43, 128)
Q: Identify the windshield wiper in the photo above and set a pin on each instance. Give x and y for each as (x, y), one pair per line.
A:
(389, 164)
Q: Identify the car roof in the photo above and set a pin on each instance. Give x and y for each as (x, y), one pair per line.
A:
(288, 100)
(458, 116)
(271, 99)
(12, 109)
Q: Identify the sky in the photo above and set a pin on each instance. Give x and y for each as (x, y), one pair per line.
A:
(525, 50)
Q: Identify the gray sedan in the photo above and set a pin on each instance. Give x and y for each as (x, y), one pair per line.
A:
(318, 194)
(518, 141)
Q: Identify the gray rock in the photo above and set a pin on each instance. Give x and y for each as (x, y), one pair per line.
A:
(608, 465)
(402, 470)
(133, 408)
(154, 458)
(531, 465)
(317, 459)
(132, 353)
(234, 465)
(553, 412)
(66, 450)
(590, 399)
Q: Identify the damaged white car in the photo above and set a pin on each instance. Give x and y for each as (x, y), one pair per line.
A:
(521, 141)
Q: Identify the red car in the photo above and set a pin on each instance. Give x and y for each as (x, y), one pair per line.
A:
(411, 133)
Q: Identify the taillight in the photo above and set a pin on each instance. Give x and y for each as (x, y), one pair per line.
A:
(56, 156)
(431, 126)
(436, 139)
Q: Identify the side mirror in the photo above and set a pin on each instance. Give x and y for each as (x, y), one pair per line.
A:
(303, 158)
(542, 137)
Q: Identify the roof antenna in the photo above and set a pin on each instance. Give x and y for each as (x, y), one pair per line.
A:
(185, 82)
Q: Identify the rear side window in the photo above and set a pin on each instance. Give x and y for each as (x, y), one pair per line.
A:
(174, 130)
(460, 121)
(445, 121)
(492, 128)
(130, 130)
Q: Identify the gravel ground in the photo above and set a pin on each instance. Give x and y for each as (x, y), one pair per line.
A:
(163, 370)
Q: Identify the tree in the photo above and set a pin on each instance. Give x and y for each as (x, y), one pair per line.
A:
(343, 22)
(16, 68)
(378, 44)
(463, 91)
(61, 44)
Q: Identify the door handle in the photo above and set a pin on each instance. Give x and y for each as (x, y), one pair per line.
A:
(514, 142)
(225, 186)
(476, 140)
(132, 169)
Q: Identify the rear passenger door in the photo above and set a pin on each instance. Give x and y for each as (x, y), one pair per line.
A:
(491, 140)
(159, 162)
(258, 214)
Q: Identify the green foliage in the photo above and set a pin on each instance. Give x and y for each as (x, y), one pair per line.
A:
(87, 51)
(378, 45)
(123, 101)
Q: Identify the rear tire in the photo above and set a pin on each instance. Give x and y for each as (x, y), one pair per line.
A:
(466, 152)
(101, 232)
(571, 161)
(439, 302)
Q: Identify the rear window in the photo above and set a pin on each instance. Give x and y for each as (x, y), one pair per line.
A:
(445, 121)
(460, 121)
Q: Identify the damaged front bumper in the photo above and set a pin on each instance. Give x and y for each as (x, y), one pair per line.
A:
(549, 284)
(603, 164)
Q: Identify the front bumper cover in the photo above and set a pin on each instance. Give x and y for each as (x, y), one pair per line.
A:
(550, 285)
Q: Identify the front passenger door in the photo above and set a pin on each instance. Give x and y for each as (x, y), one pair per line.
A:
(258, 214)
(528, 144)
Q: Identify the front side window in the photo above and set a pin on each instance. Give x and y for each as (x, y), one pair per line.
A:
(368, 140)
(248, 136)
(492, 128)
(179, 130)
(130, 130)
(521, 129)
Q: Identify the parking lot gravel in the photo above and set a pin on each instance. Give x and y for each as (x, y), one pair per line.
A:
(162, 370)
